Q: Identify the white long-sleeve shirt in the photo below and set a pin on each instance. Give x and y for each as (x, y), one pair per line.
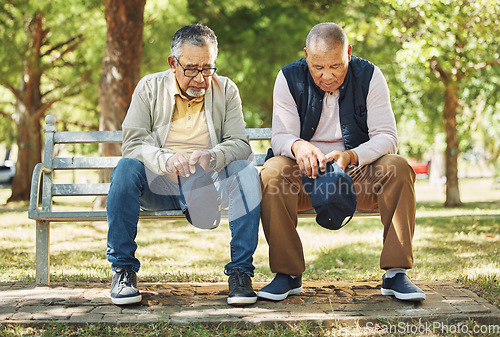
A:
(328, 137)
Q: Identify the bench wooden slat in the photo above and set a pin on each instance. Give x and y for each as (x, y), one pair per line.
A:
(101, 215)
(80, 189)
(73, 137)
(259, 133)
(63, 163)
(260, 159)
(81, 216)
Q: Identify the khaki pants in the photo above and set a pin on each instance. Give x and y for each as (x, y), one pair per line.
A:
(386, 184)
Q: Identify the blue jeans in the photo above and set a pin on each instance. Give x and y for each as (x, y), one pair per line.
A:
(134, 187)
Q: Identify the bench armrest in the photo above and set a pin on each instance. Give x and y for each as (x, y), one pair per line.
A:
(36, 179)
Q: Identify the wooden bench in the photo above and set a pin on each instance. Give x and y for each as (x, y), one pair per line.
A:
(44, 188)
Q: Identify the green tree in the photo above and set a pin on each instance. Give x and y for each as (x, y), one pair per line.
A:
(479, 118)
(121, 69)
(121, 64)
(159, 28)
(444, 46)
(256, 39)
(40, 66)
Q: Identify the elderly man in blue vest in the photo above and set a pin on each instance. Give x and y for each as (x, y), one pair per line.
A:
(333, 106)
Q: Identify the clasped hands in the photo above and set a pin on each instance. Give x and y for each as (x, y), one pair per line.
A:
(311, 160)
(183, 164)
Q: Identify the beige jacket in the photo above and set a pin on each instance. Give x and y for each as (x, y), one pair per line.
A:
(148, 119)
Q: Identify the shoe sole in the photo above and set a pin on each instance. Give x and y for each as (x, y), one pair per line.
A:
(126, 300)
(241, 300)
(279, 297)
(401, 296)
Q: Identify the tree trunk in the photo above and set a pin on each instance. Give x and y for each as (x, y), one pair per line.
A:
(451, 155)
(28, 105)
(29, 154)
(120, 71)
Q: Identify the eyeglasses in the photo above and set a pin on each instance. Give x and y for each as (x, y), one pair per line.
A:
(193, 72)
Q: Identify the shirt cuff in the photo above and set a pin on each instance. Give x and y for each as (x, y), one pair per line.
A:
(284, 148)
(220, 159)
(364, 156)
(163, 158)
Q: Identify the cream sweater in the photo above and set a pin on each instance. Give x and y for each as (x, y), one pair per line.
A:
(149, 116)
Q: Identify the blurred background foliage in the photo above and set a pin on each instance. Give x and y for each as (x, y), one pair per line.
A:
(258, 37)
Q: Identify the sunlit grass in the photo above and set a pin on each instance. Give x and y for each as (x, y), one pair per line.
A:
(199, 330)
(449, 244)
(458, 244)
(164, 329)
(175, 251)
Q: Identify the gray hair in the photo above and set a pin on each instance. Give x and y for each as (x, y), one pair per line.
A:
(325, 36)
(195, 34)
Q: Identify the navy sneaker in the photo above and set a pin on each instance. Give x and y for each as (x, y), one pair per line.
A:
(401, 287)
(124, 287)
(282, 286)
(240, 289)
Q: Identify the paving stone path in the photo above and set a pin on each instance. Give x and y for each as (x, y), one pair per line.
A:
(343, 303)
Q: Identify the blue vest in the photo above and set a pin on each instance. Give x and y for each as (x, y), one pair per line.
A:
(352, 100)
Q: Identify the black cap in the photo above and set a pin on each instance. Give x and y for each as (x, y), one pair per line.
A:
(332, 195)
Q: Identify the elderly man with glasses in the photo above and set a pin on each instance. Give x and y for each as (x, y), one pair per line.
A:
(185, 147)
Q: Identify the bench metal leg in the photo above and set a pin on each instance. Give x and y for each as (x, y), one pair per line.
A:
(42, 252)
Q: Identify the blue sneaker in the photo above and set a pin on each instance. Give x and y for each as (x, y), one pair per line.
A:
(401, 287)
(282, 286)
(124, 287)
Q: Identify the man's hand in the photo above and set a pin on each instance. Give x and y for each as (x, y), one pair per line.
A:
(309, 158)
(200, 157)
(179, 164)
(184, 165)
(341, 158)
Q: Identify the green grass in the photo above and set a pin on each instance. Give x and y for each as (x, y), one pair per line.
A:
(449, 244)
(162, 329)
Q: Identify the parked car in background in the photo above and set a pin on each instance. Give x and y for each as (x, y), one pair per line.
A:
(420, 167)
(7, 172)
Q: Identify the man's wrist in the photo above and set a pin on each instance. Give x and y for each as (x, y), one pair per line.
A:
(294, 146)
(213, 159)
(353, 159)
(167, 163)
